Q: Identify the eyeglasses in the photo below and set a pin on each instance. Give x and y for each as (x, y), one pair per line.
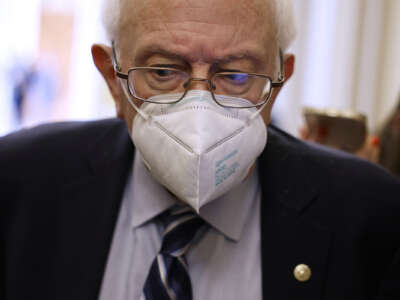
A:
(228, 89)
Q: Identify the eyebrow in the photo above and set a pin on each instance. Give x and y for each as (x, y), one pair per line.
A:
(156, 49)
(238, 56)
(152, 50)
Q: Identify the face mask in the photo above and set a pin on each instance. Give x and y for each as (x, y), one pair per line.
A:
(196, 148)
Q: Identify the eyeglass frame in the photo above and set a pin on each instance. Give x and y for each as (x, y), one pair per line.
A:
(274, 84)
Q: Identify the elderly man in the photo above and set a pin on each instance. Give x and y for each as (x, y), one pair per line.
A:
(206, 203)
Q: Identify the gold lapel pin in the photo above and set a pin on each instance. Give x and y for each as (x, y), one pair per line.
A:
(302, 272)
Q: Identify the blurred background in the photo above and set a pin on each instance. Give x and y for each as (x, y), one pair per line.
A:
(348, 58)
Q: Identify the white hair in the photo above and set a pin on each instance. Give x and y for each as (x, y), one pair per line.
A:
(111, 11)
(286, 29)
(285, 22)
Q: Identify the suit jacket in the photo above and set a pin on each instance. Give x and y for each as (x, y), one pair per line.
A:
(61, 187)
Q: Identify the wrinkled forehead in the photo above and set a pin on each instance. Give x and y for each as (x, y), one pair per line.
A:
(249, 18)
(247, 9)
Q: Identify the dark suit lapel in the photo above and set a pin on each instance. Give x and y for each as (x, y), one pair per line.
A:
(87, 213)
(289, 239)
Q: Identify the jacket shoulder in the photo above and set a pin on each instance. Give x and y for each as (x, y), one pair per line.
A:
(346, 184)
(41, 150)
(326, 161)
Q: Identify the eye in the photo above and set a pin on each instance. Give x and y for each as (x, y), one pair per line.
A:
(237, 78)
(163, 73)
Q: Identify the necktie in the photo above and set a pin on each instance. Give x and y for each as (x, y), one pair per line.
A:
(168, 278)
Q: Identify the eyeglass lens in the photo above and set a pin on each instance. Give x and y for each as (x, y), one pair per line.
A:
(145, 83)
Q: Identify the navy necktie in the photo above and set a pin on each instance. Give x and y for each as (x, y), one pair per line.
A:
(168, 278)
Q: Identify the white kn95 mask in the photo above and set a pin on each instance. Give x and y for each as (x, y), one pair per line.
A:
(196, 148)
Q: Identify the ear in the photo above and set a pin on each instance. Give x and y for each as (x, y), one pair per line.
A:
(289, 61)
(288, 64)
(102, 57)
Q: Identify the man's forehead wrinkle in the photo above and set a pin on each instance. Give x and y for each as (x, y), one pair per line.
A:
(240, 13)
(136, 11)
(142, 16)
(202, 30)
(187, 52)
(182, 35)
(200, 20)
(171, 8)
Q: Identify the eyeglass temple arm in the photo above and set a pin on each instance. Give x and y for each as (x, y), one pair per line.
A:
(117, 68)
(281, 77)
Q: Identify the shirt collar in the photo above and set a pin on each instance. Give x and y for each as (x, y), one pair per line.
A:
(146, 197)
(228, 214)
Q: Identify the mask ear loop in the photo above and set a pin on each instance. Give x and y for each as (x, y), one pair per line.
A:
(258, 111)
(127, 95)
(138, 110)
